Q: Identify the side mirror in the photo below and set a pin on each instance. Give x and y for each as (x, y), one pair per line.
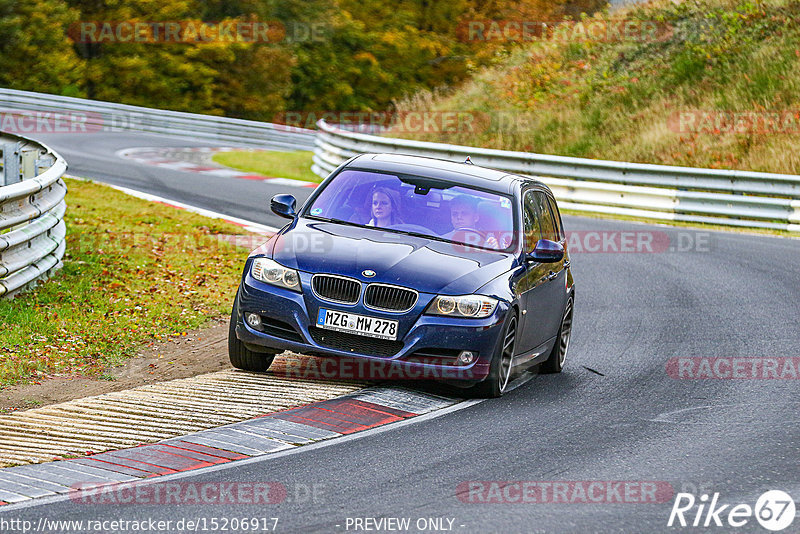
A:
(546, 251)
(283, 205)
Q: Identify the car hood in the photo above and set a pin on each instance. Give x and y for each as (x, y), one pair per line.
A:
(426, 265)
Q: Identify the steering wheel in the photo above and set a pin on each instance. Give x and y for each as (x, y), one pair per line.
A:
(473, 230)
(488, 242)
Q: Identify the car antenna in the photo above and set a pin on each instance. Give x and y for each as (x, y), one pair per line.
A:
(468, 161)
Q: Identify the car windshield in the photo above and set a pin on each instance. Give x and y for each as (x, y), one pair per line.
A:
(418, 206)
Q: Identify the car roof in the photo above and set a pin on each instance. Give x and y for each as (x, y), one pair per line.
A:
(466, 174)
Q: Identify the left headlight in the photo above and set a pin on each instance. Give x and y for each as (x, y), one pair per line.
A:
(473, 306)
(272, 272)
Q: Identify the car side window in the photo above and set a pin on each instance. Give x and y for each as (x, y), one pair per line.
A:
(547, 224)
(556, 219)
(531, 220)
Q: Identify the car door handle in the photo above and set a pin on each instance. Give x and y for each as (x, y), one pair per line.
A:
(566, 264)
(552, 275)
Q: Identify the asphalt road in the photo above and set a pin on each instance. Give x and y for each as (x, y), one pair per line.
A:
(614, 414)
(94, 156)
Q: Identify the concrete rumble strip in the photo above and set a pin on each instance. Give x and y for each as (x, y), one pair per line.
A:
(154, 412)
(184, 425)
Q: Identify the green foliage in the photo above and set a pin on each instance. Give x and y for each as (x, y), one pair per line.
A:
(240, 79)
(34, 50)
(620, 99)
(337, 55)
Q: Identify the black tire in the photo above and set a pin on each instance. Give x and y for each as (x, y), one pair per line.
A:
(555, 361)
(500, 369)
(241, 357)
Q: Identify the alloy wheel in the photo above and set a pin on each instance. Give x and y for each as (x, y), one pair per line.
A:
(507, 356)
(566, 334)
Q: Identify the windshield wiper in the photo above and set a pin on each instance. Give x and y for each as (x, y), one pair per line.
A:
(418, 234)
(337, 221)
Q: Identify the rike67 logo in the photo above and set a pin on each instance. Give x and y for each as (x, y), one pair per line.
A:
(774, 510)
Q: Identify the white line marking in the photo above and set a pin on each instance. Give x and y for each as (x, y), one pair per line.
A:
(290, 182)
(229, 173)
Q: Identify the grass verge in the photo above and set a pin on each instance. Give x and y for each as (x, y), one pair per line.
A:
(295, 165)
(134, 272)
(714, 85)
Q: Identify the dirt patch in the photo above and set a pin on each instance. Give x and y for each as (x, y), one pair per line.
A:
(203, 350)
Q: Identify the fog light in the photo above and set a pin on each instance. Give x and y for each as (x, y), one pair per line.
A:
(253, 320)
(466, 357)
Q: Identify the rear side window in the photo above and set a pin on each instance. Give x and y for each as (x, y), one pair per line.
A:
(549, 228)
(556, 219)
(531, 221)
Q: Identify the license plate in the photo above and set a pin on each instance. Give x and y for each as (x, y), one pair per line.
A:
(353, 323)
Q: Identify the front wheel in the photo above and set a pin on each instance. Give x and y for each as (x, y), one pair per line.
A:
(500, 368)
(241, 357)
(555, 362)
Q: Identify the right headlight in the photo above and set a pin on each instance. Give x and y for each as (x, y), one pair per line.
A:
(473, 306)
(272, 272)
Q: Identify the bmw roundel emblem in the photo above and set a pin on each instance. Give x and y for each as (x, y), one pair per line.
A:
(369, 273)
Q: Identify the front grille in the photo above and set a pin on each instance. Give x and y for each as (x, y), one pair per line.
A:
(390, 298)
(336, 288)
(355, 343)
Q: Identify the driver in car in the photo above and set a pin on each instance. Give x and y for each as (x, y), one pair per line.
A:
(464, 217)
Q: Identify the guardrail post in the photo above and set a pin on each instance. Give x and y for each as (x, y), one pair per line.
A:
(28, 166)
(43, 163)
(11, 153)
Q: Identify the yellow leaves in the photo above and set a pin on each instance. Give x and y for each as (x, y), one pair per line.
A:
(394, 38)
(103, 307)
(366, 57)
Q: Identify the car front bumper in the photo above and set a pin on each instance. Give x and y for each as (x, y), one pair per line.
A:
(289, 324)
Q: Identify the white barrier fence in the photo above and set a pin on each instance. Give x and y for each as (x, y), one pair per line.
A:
(730, 198)
(30, 113)
(32, 207)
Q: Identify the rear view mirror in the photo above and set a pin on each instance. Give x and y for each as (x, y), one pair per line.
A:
(283, 205)
(546, 251)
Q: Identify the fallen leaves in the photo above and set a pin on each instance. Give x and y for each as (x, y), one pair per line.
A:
(122, 287)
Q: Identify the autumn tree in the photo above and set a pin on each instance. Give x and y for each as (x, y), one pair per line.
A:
(351, 55)
(218, 76)
(35, 53)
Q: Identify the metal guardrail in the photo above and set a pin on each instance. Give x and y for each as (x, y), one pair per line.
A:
(731, 198)
(78, 115)
(32, 210)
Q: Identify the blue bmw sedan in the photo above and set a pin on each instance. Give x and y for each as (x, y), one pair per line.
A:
(439, 269)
